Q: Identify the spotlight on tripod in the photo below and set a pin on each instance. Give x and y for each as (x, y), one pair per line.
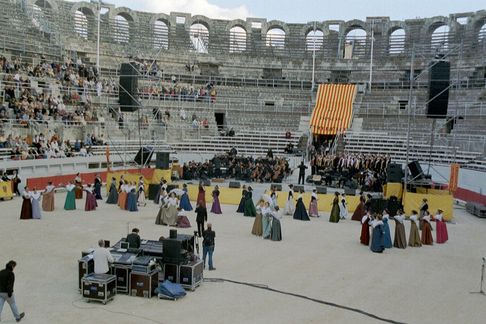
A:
(481, 291)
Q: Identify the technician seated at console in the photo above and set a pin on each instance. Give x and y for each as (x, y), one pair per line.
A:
(102, 258)
(133, 239)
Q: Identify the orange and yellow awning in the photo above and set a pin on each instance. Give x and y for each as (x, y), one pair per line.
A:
(334, 109)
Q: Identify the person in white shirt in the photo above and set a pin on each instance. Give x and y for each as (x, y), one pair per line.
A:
(102, 258)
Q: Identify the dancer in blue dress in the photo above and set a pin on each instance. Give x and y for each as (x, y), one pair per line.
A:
(132, 199)
(377, 239)
(386, 228)
(185, 203)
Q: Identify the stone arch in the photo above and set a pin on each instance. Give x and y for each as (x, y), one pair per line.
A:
(396, 37)
(272, 36)
(314, 37)
(237, 23)
(200, 19)
(355, 24)
(43, 4)
(123, 32)
(238, 37)
(84, 29)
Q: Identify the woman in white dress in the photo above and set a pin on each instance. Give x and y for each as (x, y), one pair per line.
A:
(290, 205)
(343, 207)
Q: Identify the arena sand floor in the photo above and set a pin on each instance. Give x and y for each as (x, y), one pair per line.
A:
(317, 259)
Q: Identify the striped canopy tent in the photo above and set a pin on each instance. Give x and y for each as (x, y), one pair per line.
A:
(334, 109)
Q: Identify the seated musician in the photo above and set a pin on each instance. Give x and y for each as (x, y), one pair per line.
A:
(133, 239)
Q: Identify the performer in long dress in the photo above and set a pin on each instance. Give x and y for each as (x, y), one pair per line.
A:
(162, 188)
(26, 211)
(185, 203)
(15, 183)
(169, 213)
(289, 205)
(386, 228)
(132, 199)
(440, 228)
(276, 226)
(414, 237)
(257, 228)
(359, 212)
(97, 187)
(241, 206)
(423, 211)
(162, 207)
(400, 240)
(366, 220)
(182, 220)
(128, 189)
(313, 208)
(141, 192)
(266, 220)
(113, 193)
(426, 238)
(343, 207)
(201, 195)
(78, 190)
(35, 199)
(48, 198)
(122, 195)
(90, 203)
(216, 206)
(300, 212)
(273, 197)
(377, 238)
(334, 217)
(70, 202)
(249, 206)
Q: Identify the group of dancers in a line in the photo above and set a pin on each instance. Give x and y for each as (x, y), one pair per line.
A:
(31, 204)
(296, 209)
(174, 204)
(381, 237)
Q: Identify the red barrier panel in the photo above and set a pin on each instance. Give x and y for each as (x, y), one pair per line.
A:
(87, 177)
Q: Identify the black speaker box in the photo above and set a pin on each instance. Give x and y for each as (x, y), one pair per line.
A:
(144, 155)
(321, 190)
(162, 160)
(298, 188)
(171, 249)
(153, 190)
(439, 80)
(234, 184)
(128, 90)
(394, 173)
(350, 192)
(277, 186)
(378, 205)
(416, 170)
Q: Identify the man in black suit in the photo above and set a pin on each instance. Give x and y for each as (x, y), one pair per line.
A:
(302, 168)
(7, 280)
(133, 239)
(201, 217)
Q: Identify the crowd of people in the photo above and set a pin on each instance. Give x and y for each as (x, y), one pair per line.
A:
(230, 165)
(366, 170)
(26, 103)
(43, 147)
(175, 91)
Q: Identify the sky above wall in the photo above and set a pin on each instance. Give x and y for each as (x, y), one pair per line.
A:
(303, 11)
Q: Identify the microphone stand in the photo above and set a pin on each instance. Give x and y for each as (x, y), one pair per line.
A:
(481, 291)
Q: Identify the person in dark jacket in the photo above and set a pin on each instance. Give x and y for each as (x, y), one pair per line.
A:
(208, 246)
(201, 217)
(302, 168)
(133, 239)
(7, 280)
